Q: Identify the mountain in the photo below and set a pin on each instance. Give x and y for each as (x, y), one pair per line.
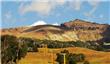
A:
(69, 31)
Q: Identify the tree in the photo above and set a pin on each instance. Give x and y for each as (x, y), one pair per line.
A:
(72, 61)
(35, 49)
(70, 57)
(9, 46)
(81, 57)
(86, 62)
(22, 51)
(59, 58)
(65, 51)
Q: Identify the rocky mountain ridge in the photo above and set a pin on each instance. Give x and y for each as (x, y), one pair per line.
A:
(68, 31)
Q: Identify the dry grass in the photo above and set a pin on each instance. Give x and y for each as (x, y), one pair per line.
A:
(45, 55)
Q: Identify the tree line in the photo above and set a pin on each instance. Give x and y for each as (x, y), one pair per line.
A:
(13, 48)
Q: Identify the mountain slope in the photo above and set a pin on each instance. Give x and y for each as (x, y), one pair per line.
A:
(68, 31)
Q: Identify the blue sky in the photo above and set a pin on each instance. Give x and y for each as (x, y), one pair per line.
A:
(28, 13)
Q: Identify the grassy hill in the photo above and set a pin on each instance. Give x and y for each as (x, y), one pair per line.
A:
(45, 55)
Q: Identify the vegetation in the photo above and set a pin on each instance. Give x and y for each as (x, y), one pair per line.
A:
(71, 58)
(9, 49)
(31, 44)
(59, 44)
(14, 48)
(86, 62)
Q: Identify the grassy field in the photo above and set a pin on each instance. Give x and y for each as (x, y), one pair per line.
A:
(48, 56)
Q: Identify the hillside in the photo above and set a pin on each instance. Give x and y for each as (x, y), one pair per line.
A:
(68, 31)
(94, 57)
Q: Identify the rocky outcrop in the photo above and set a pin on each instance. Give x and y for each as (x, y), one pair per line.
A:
(66, 36)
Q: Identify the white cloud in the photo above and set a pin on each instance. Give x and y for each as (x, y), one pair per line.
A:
(76, 4)
(87, 14)
(40, 6)
(55, 24)
(94, 4)
(61, 2)
(100, 17)
(40, 22)
(45, 7)
(9, 19)
(8, 15)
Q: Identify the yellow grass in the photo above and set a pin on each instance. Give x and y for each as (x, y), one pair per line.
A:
(45, 56)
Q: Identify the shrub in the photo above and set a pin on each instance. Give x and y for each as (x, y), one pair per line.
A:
(70, 57)
(86, 62)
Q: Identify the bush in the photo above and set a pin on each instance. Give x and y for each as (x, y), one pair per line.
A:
(22, 51)
(35, 49)
(86, 62)
(59, 58)
(70, 57)
(65, 51)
